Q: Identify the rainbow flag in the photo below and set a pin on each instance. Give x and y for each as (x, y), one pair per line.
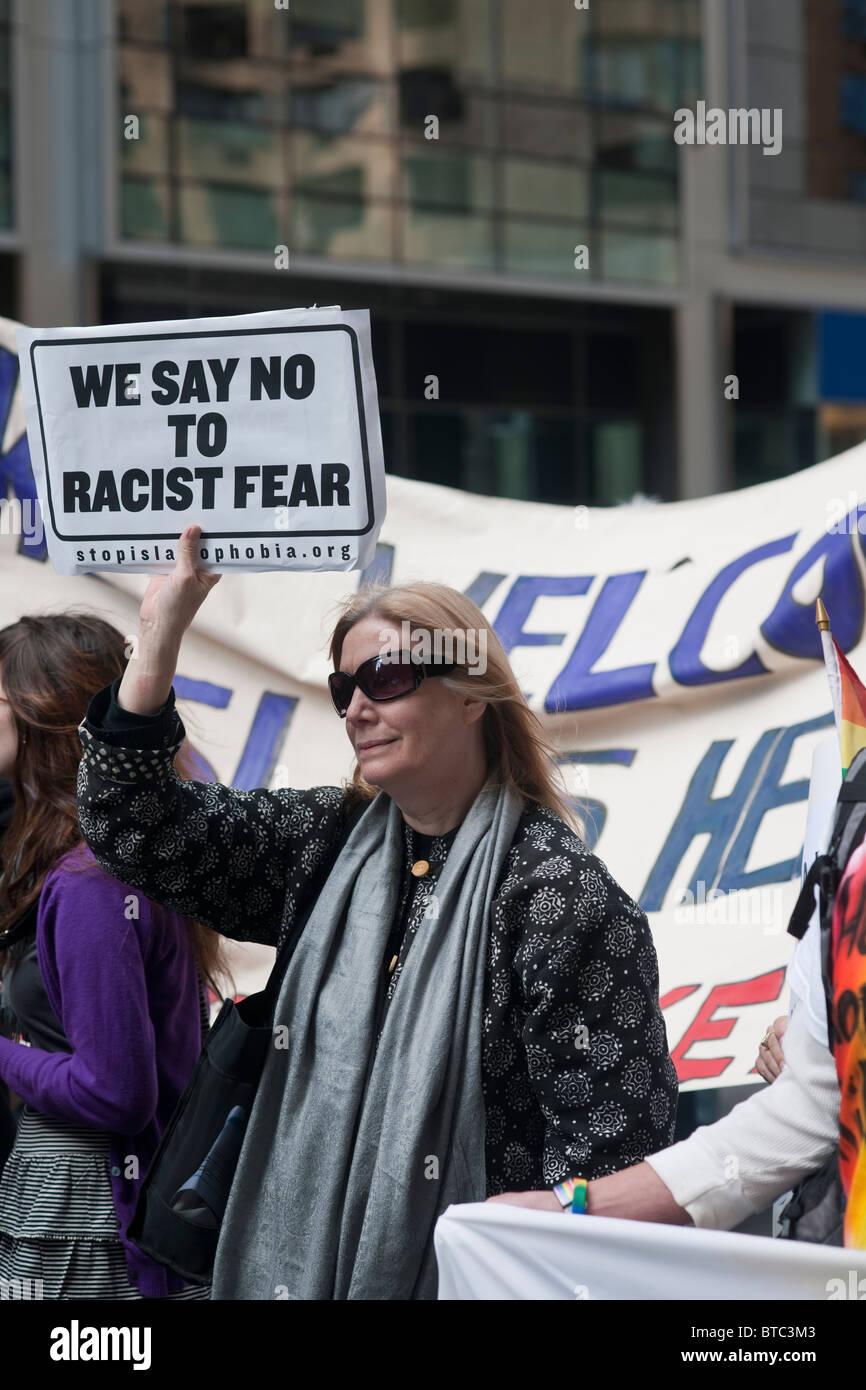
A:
(848, 1036)
(852, 721)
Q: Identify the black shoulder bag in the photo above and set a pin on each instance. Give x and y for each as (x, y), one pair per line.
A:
(182, 1198)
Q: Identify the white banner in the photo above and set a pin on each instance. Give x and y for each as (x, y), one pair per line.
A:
(670, 651)
(496, 1251)
(264, 428)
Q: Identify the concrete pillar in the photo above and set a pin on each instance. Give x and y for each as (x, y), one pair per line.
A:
(59, 153)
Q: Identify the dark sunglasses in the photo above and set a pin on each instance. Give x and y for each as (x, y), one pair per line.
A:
(382, 678)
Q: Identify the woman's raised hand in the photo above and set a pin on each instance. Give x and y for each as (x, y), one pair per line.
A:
(170, 603)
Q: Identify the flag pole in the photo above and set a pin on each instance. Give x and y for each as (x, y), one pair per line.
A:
(831, 663)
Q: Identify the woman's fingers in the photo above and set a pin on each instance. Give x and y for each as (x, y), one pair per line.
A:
(771, 1057)
(171, 601)
(766, 1068)
(188, 558)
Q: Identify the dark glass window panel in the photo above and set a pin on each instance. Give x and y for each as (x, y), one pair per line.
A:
(324, 24)
(144, 209)
(556, 479)
(214, 31)
(772, 444)
(642, 200)
(388, 424)
(761, 360)
(616, 466)
(442, 182)
(447, 180)
(221, 216)
(854, 19)
(546, 128)
(639, 143)
(852, 100)
(220, 103)
(6, 206)
(229, 152)
(426, 14)
(334, 107)
(490, 365)
(497, 454)
(640, 256)
(380, 335)
(638, 72)
(543, 248)
(347, 183)
(447, 237)
(429, 90)
(437, 444)
(334, 227)
(5, 130)
(612, 371)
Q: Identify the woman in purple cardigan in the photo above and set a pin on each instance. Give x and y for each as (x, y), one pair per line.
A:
(102, 1005)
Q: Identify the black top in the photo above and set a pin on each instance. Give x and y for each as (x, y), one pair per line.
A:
(25, 1012)
(576, 1074)
(117, 720)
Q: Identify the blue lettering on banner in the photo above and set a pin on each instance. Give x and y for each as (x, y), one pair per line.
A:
(578, 686)
(769, 793)
(791, 625)
(264, 741)
(266, 737)
(685, 662)
(594, 813)
(519, 601)
(15, 469)
(731, 821)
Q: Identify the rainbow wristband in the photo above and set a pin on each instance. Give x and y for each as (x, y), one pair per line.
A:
(578, 1200)
(572, 1193)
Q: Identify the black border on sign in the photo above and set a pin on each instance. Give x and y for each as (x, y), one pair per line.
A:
(213, 333)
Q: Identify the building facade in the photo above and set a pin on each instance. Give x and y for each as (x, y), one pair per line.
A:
(567, 304)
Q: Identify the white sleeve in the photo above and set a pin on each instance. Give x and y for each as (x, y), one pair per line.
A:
(727, 1171)
(805, 981)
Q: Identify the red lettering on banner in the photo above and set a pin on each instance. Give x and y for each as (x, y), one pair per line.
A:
(674, 996)
(703, 1027)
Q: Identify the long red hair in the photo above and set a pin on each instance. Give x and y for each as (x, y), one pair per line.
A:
(52, 665)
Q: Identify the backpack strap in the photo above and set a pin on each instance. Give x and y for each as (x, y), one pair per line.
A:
(822, 875)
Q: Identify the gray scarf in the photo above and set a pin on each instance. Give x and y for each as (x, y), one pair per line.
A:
(318, 1210)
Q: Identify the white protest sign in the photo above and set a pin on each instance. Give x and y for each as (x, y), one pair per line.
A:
(263, 428)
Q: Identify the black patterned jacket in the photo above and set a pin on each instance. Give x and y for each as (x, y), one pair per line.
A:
(575, 1066)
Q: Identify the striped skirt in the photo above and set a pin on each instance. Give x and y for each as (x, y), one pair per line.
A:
(59, 1235)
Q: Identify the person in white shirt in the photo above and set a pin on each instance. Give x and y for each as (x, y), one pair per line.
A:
(729, 1170)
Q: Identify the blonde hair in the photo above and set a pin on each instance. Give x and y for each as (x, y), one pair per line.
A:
(518, 754)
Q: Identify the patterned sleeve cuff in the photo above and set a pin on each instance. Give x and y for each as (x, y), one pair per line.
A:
(128, 765)
(121, 729)
(114, 762)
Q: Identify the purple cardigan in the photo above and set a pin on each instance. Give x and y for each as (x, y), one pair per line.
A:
(125, 988)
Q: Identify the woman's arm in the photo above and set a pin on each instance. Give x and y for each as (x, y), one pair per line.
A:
(727, 1171)
(92, 962)
(237, 861)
